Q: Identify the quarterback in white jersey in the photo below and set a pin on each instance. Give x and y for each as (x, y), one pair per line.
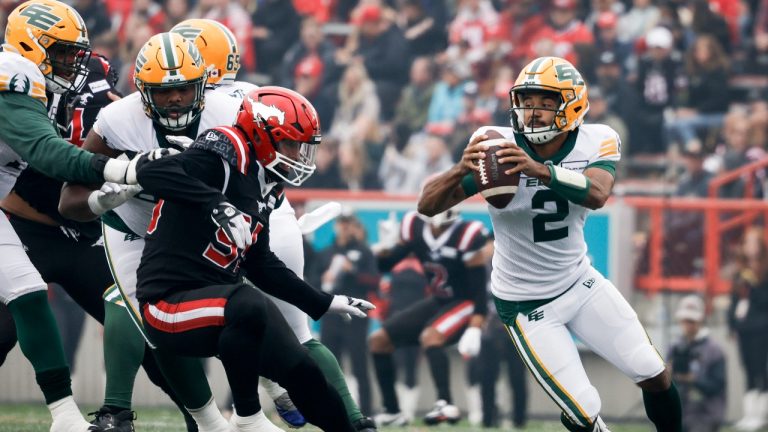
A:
(545, 289)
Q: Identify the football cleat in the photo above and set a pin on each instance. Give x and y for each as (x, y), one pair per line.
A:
(365, 424)
(389, 419)
(442, 412)
(288, 411)
(107, 421)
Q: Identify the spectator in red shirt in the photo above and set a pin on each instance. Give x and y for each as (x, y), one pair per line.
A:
(564, 30)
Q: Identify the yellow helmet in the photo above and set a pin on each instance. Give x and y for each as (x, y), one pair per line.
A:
(218, 46)
(555, 75)
(168, 61)
(53, 36)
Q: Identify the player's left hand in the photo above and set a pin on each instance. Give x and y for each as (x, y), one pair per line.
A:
(233, 222)
(346, 305)
(512, 153)
(469, 344)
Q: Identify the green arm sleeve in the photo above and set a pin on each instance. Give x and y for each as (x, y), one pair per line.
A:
(25, 127)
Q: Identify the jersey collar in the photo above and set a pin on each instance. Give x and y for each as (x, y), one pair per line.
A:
(568, 145)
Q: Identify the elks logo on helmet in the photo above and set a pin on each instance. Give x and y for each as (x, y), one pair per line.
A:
(265, 112)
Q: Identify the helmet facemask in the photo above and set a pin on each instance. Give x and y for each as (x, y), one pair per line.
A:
(174, 117)
(442, 219)
(536, 134)
(294, 162)
(69, 66)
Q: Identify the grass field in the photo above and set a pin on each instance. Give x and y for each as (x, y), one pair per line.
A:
(35, 418)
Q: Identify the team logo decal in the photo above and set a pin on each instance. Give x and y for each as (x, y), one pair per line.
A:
(187, 32)
(536, 315)
(19, 84)
(265, 112)
(40, 16)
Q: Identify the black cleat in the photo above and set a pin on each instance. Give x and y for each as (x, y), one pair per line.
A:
(364, 424)
(122, 421)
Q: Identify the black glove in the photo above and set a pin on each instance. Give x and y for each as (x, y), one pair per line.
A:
(233, 222)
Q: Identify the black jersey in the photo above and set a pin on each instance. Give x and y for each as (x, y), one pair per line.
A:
(74, 114)
(185, 249)
(444, 258)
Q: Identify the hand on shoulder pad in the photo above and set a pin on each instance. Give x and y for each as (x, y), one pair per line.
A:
(124, 172)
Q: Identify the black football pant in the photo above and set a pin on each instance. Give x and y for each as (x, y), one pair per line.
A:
(241, 326)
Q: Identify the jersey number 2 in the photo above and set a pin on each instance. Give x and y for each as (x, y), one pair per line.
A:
(540, 231)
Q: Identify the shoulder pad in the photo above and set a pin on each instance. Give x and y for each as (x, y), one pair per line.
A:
(228, 144)
(19, 75)
(473, 236)
(408, 226)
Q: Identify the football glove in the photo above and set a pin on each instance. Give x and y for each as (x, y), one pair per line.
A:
(110, 196)
(124, 172)
(389, 234)
(180, 141)
(469, 344)
(232, 221)
(346, 305)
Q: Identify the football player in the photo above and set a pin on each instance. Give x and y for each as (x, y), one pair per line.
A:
(544, 286)
(211, 39)
(450, 250)
(170, 76)
(210, 228)
(46, 49)
(64, 251)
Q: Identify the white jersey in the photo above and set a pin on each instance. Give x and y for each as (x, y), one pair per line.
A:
(235, 89)
(540, 250)
(17, 75)
(125, 127)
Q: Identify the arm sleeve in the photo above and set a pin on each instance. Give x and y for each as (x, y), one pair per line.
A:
(30, 133)
(395, 256)
(185, 178)
(267, 272)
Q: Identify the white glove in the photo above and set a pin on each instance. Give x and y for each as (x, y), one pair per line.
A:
(469, 344)
(310, 222)
(110, 195)
(389, 233)
(180, 140)
(124, 172)
(344, 305)
(232, 221)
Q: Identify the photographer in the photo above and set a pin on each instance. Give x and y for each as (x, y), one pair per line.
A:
(698, 369)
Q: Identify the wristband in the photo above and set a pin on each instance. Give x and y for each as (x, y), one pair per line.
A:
(571, 185)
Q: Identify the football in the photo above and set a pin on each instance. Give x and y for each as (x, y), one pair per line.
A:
(497, 188)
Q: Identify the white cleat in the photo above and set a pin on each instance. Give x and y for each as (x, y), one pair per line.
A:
(255, 423)
(389, 419)
(442, 412)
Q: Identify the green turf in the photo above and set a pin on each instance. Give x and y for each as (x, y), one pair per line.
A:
(35, 418)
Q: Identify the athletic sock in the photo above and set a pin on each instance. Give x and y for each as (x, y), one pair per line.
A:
(123, 354)
(438, 364)
(272, 388)
(208, 416)
(40, 342)
(664, 409)
(65, 407)
(385, 374)
(328, 364)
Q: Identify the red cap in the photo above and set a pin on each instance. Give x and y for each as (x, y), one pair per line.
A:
(607, 20)
(367, 14)
(564, 4)
(310, 66)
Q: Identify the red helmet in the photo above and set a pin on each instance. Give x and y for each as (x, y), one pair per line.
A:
(284, 130)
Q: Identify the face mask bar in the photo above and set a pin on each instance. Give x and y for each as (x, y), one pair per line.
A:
(295, 171)
(187, 114)
(69, 66)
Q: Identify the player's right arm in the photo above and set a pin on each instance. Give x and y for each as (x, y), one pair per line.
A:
(73, 202)
(455, 185)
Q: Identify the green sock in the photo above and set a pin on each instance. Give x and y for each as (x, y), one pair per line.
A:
(664, 409)
(40, 342)
(123, 353)
(335, 377)
(186, 376)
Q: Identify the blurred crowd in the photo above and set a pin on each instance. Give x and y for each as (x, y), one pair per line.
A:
(404, 81)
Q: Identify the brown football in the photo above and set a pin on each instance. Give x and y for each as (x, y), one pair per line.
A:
(494, 185)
